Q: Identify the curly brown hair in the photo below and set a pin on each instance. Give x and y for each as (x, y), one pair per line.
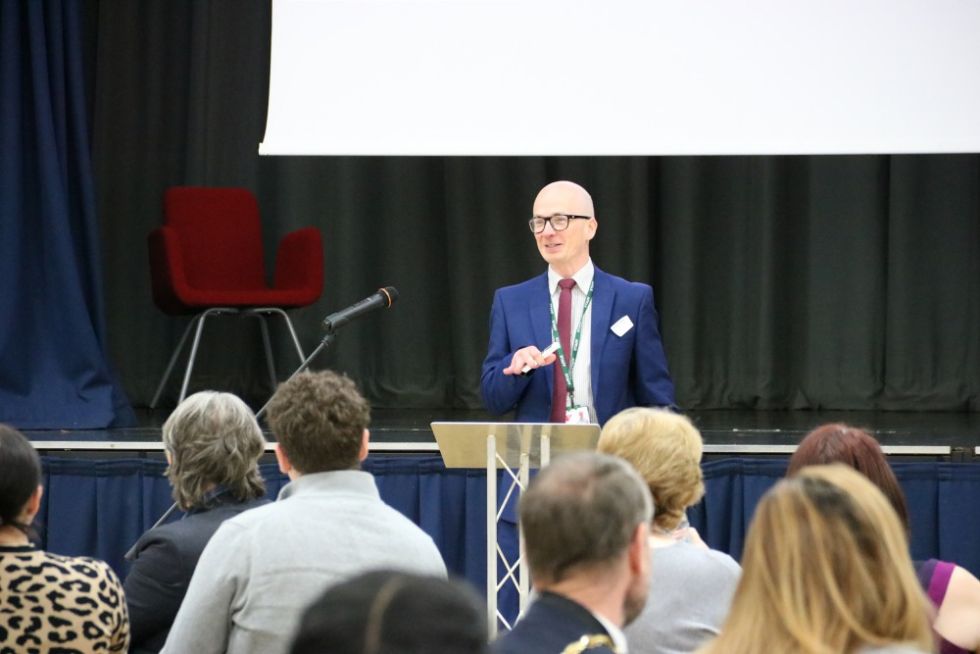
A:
(319, 419)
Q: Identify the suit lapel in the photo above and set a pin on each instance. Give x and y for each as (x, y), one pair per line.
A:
(603, 299)
(541, 320)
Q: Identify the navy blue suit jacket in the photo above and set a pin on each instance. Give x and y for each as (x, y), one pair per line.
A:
(551, 623)
(164, 561)
(628, 370)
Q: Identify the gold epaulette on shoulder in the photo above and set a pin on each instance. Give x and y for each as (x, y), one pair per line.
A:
(586, 643)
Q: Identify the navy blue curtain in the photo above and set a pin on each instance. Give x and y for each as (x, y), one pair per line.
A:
(943, 499)
(53, 367)
(99, 508)
(732, 489)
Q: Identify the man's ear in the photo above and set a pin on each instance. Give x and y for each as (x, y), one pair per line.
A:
(639, 549)
(595, 227)
(285, 467)
(365, 445)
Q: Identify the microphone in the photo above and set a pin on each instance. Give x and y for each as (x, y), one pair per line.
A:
(384, 298)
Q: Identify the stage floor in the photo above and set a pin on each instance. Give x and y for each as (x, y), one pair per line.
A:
(939, 435)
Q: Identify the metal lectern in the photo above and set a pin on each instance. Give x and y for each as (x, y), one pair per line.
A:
(516, 448)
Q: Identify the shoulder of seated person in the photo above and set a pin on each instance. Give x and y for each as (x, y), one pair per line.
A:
(963, 582)
(963, 594)
(712, 556)
(958, 619)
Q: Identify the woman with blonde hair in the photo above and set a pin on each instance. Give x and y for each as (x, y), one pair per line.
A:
(691, 585)
(953, 590)
(213, 444)
(826, 570)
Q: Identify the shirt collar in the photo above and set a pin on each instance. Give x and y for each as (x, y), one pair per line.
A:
(615, 633)
(583, 278)
(351, 481)
(215, 497)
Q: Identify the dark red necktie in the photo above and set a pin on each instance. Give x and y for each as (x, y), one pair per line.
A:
(559, 398)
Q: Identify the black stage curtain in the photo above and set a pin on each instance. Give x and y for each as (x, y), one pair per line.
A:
(846, 282)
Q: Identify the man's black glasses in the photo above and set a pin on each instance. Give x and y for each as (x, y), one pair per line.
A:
(559, 222)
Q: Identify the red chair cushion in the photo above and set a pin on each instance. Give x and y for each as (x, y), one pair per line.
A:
(209, 253)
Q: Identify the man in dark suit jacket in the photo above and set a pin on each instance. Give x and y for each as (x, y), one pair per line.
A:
(586, 527)
(621, 362)
(164, 559)
(213, 444)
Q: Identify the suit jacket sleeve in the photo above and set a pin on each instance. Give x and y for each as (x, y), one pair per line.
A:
(154, 588)
(653, 384)
(501, 392)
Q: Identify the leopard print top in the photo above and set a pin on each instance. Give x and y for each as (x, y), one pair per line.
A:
(59, 604)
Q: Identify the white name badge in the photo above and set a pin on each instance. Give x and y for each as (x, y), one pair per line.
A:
(577, 415)
(621, 326)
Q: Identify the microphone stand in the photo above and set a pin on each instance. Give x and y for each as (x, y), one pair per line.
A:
(131, 553)
(327, 340)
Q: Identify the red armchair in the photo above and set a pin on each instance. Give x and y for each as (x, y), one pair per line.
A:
(207, 259)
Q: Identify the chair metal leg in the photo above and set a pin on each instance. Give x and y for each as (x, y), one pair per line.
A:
(199, 319)
(197, 341)
(289, 325)
(292, 332)
(173, 360)
(267, 344)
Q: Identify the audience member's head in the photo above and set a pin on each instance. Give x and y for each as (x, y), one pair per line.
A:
(49, 602)
(213, 441)
(387, 612)
(825, 569)
(587, 516)
(665, 448)
(320, 421)
(20, 478)
(840, 443)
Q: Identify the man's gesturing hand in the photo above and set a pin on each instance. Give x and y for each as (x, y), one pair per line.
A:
(530, 357)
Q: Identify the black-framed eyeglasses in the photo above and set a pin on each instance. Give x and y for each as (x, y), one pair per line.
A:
(559, 222)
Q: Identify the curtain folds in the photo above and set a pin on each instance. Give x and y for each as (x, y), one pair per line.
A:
(54, 371)
(99, 508)
(835, 282)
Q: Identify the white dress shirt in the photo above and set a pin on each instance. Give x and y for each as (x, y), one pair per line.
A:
(615, 634)
(582, 370)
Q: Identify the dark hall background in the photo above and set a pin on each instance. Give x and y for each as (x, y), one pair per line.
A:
(846, 282)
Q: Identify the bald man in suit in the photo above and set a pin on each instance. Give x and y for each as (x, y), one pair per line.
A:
(612, 356)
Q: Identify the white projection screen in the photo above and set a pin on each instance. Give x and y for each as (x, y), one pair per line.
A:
(623, 77)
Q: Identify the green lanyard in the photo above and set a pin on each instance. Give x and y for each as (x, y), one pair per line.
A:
(566, 367)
